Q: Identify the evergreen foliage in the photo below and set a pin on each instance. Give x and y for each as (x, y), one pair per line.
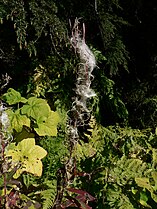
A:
(33, 18)
(110, 24)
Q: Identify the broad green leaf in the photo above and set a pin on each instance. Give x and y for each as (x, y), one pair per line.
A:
(36, 108)
(154, 175)
(144, 199)
(13, 97)
(144, 183)
(17, 120)
(29, 156)
(154, 196)
(49, 126)
(144, 204)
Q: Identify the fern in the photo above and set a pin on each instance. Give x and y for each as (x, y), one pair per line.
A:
(93, 134)
(121, 156)
(39, 82)
(118, 200)
(48, 197)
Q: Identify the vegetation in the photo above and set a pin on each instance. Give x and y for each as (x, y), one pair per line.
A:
(78, 104)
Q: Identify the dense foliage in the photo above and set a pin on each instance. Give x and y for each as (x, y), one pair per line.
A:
(78, 104)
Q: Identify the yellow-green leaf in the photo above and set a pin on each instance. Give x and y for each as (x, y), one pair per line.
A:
(49, 126)
(144, 183)
(144, 204)
(13, 97)
(156, 131)
(154, 175)
(29, 156)
(17, 120)
(154, 196)
(36, 108)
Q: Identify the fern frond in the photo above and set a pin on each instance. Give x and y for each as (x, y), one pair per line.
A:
(48, 197)
(85, 150)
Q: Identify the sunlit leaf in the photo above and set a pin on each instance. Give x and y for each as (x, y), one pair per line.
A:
(154, 175)
(17, 120)
(144, 183)
(49, 126)
(145, 204)
(13, 97)
(36, 108)
(29, 156)
(156, 131)
(154, 196)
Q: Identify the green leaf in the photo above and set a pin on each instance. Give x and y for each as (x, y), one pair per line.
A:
(154, 196)
(145, 204)
(13, 97)
(144, 199)
(144, 183)
(36, 108)
(29, 156)
(17, 120)
(49, 126)
(154, 175)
